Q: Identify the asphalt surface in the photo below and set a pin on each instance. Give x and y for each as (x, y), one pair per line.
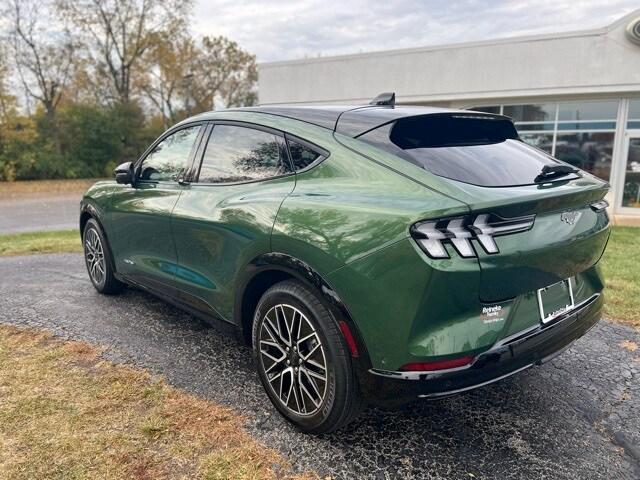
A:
(59, 212)
(575, 417)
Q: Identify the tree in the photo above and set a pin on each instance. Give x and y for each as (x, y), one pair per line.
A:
(7, 100)
(165, 83)
(121, 31)
(43, 59)
(182, 76)
(223, 74)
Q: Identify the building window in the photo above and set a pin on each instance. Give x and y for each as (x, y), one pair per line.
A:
(590, 151)
(594, 110)
(580, 133)
(544, 112)
(490, 109)
(543, 141)
(631, 192)
(634, 114)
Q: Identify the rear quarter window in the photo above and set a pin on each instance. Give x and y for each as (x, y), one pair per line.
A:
(302, 156)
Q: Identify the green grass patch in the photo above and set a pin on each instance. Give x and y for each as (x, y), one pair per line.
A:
(621, 267)
(64, 241)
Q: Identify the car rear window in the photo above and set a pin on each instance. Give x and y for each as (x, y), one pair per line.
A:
(476, 149)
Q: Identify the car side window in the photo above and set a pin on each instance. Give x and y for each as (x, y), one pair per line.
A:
(301, 156)
(170, 158)
(240, 154)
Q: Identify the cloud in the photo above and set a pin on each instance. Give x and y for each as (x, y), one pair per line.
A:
(282, 30)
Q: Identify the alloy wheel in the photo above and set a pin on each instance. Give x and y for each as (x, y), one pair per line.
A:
(293, 359)
(94, 256)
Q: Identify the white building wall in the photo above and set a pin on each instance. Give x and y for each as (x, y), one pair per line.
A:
(594, 62)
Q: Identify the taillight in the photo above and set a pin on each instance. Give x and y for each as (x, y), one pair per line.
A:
(437, 364)
(432, 235)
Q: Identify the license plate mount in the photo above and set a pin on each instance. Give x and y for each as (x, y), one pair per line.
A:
(555, 300)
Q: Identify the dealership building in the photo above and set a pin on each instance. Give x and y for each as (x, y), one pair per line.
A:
(575, 95)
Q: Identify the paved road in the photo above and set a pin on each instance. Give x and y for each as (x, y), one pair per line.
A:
(576, 417)
(59, 212)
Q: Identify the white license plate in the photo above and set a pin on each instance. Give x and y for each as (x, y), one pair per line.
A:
(555, 300)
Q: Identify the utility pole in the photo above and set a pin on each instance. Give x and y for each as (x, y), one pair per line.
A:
(188, 78)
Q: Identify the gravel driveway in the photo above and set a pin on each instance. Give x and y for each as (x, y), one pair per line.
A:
(576, 417)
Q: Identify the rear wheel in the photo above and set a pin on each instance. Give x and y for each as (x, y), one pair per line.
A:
(98, 259)
(302, 359)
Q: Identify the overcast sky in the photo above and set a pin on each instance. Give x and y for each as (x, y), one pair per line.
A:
(291, 29)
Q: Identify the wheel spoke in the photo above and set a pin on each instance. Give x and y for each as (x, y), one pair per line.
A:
(313, 374)
(311, 352)
(312, 334)
(273, 344)
(268, 355)
(313, 384)
(290, 372)
(302, 407)
(276, 377)
(274, 332)
(304, 389)
(315, 364)
(294, 385)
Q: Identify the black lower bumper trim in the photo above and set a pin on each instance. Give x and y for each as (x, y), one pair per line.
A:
(513, 355)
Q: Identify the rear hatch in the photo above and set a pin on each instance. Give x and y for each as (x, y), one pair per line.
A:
(480, 160)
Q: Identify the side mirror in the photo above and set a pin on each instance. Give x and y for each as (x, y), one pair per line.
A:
(124, 173)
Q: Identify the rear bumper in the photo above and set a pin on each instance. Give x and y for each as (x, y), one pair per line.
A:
(525, 349)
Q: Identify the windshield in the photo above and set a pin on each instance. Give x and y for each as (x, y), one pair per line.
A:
(483, 151)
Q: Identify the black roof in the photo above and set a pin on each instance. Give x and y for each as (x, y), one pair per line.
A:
(348, 119)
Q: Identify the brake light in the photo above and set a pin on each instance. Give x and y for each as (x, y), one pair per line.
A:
(432, 235)
(437, 364)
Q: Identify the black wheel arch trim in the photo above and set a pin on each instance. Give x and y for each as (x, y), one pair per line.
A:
(299, 270)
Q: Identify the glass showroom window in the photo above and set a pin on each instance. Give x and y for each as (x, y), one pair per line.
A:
(631, 190)
(634, 114)
(585, 134)
(490, 109)
(535, 123)
(590, 151)
(579, 133)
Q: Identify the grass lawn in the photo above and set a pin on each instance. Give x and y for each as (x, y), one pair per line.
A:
(621, 267)
(40, 242)
(67, 413)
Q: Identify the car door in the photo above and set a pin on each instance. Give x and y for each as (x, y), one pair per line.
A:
(140, 236)
(223, 219)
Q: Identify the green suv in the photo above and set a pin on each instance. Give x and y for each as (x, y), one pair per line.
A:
(372, 254)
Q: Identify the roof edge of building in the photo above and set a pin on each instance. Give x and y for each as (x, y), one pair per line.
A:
(480, 43)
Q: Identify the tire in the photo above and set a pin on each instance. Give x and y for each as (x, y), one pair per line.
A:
(97, 258)
(310, 333)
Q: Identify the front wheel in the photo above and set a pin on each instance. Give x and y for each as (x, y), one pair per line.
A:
(302, 359)
(98, 259)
